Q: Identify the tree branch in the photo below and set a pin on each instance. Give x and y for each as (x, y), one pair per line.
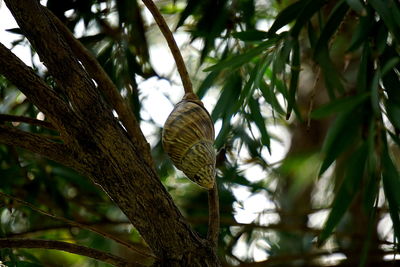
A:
(37, 144)
(176, 53)
(32, 121)
(105, 85)
(68, 73)
(213, 216)
(77, 224)
(38, 92)
(64, 246)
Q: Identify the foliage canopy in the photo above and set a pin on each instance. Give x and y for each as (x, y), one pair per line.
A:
(324, 73)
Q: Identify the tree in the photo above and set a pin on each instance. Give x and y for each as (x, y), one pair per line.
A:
(325, 70)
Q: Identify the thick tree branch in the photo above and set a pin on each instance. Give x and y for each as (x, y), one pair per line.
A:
(38, 92)
(106, 86)
(68, 73)
(37, 144)
(64, 246)
(32, 121)
(176, 53)
(77, 224)
(106, 155)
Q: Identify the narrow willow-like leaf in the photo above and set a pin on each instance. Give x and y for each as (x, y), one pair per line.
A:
(238, 60)
(251, 35)
(332, 24)
(207, 83)
(374, 92)
(248, 88)
(223, 133)
(321, 52)
(312, 36)
(360, 34)
(287, 15)
(339, 105)
(331, 75)
(357, 6)
(270, 97)
(383, 8)
(346, 192)
(229, 95)
(335, 142)
(305, 14)
(294, 77)
(362, 75)
(391, 187)
(259, 120)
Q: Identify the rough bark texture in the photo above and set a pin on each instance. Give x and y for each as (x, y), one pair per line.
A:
(96, 144)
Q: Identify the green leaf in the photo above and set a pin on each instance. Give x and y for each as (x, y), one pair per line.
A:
(239, 60)
(282, 56)
(384, 9)
(321, 52)
(251, 35)
(393, 113)
(294, 77)
(189, 9)
(248, 89)
(223, 133)
(305, 14)
(340, 136)
(374, 92)
(357, 6)
(259, 120)
(361, 32)
(346, 193)
(339, 105)
(395, 138)
(312, 36)
(362, 75)
(207, 83)
(332, 25)
(389, 65)
(270, 97)
(287, 15)
(391, 187)
(331, 75)
(230, 94)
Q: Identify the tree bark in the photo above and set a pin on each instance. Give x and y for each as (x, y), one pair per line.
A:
(98, 146)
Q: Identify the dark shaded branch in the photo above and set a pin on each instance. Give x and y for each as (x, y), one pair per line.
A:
(32, 121)
(77, 224)
(67, 72)
(176, 53)
(105, 85)
(38, 92)
(37, 144)
(213, 215)
(64, 246)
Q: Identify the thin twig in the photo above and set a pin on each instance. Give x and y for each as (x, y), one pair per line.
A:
(13, 118)
(64, 246)
(213, 215)
(39, 144)
(180, 64)
(76, 224)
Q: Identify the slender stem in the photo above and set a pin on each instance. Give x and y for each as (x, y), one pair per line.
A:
(13, 118)
(187, 84)
(213, 216)
(64, 246)
(76, 224)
